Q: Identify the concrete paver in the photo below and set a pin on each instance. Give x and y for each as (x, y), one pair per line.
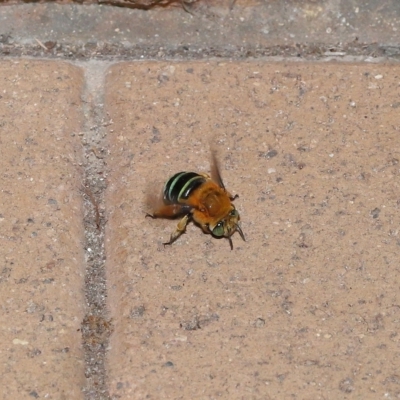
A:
(41, 231)
(307, 306)
(253, 28)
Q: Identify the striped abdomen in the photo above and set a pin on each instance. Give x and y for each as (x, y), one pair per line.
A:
(179, 187)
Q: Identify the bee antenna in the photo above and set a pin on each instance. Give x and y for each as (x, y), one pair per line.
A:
(230, 242)
(239, 229)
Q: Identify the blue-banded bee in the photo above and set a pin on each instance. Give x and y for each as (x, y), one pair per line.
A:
(203, 199)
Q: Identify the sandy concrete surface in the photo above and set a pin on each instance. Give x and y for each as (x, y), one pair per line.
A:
(100, 105)
(41, 231)
(308, 306)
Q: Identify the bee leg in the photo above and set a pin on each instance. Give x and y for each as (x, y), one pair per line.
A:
(231, 196)
(170, 211)
(181, 227)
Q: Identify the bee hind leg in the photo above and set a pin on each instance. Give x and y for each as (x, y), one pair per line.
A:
(170, 211)
(181, 227)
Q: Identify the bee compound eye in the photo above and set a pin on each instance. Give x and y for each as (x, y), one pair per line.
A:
(218, 229)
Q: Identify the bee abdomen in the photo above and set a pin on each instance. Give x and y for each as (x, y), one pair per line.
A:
(181, 185)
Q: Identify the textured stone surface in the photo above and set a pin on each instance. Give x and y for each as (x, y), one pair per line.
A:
(41, 235)
(307, 307)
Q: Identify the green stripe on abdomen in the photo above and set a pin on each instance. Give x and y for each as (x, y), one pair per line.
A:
(181, 185)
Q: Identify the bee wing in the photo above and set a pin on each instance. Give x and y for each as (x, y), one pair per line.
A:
(153, 200)
(215, 174)
(159, 208)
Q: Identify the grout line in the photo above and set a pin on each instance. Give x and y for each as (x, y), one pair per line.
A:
(96, 327)
(111, 60)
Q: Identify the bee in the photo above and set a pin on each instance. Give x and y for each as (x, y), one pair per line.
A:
(203, 199)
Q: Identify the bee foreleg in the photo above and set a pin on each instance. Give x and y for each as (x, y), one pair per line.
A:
(181, 227)
(231, 196)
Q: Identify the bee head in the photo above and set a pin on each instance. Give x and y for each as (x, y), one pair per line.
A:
(227, 226)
